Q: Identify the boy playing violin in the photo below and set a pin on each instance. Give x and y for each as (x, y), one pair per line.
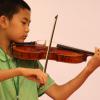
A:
(25, 80)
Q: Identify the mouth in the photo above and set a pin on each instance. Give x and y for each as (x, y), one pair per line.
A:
(24, 37)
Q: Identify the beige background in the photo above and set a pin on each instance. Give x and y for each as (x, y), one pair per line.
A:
(78, 26)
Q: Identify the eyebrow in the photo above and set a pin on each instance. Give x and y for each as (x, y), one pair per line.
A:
(27, 19)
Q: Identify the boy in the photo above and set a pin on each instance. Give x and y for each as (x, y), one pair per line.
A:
(24, 80)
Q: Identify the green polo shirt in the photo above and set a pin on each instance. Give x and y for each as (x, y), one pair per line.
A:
(28, 90)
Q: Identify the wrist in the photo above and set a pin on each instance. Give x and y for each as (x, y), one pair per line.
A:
(89, 69)
(19, 71)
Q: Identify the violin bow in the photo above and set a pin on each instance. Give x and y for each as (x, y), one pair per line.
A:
(50, 43)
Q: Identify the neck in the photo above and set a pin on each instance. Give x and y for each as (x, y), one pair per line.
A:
(4, 43)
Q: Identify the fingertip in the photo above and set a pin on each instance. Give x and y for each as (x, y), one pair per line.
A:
(96, 48)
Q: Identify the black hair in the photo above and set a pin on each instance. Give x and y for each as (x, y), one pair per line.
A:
(10, 7)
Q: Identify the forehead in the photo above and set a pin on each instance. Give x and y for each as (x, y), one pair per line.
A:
(23, 13)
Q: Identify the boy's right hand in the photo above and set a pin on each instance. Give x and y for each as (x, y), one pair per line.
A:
(34, 75)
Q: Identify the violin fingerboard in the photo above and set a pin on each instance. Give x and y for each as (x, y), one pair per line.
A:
(63, 47)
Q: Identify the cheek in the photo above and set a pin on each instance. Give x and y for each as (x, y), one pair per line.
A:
(15, 31)
(17, 28)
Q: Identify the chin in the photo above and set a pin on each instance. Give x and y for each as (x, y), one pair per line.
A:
(19, 41)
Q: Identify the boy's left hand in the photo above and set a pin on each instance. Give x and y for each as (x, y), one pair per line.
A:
(95, 60)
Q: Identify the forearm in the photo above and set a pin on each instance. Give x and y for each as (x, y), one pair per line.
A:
(64, 91)
(6, 74)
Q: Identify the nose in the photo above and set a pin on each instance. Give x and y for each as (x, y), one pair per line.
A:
(27, 30)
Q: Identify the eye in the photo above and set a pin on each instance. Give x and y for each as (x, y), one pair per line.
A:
(24, 23)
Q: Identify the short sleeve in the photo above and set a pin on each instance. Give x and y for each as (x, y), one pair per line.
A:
(50, 82)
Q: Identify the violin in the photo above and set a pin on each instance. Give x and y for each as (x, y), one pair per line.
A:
(60, 53)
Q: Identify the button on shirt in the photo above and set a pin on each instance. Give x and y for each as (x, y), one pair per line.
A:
(28, 90)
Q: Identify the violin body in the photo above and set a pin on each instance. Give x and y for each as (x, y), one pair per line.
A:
(60, 53)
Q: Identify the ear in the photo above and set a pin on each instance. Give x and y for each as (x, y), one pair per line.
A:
(4, 22)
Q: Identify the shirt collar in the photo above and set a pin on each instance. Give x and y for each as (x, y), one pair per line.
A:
(3, 55)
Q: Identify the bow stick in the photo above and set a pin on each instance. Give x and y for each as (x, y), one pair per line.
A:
(48, 50)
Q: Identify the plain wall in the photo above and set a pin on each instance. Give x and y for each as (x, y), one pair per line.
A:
(78, 26)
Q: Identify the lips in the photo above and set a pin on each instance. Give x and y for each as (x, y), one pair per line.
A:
(25, 37)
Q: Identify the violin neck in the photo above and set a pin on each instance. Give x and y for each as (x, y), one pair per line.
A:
(59, 46)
